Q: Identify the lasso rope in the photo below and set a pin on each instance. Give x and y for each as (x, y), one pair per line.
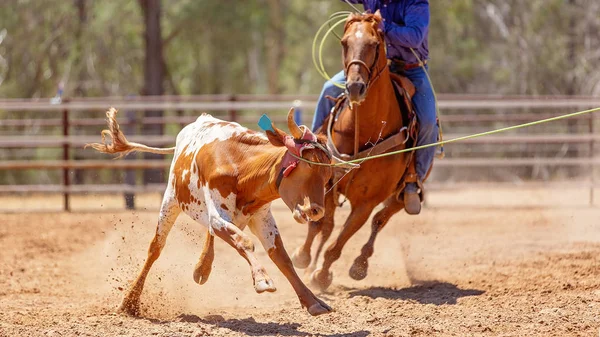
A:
(318, 62)
(317, 55)
(487, 133)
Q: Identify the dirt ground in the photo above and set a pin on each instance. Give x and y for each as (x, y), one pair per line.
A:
(451, 271)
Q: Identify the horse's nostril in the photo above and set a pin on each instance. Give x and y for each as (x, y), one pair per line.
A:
(356, 88)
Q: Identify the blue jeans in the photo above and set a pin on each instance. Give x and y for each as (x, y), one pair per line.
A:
(424, 103)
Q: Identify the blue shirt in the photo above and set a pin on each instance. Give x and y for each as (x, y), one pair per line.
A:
(406, 25)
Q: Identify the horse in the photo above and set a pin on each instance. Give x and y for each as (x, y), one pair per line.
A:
(372, 115)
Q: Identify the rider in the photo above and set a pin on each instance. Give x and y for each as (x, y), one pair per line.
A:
(406, 26)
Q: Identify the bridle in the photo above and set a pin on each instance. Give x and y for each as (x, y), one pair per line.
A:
(290, 161)
(370, 69)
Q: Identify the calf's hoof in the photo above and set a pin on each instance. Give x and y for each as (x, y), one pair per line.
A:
(301, 258)
(263, 285)
(321, 279)
(359, 268)
(201, 272)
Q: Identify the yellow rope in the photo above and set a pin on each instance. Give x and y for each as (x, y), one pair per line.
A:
(574, 114)
(320, 67)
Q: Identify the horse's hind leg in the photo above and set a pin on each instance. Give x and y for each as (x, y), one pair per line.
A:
(168, 213)
(322, 277)
(301, 256)
(204, 265)
(326, 229)
(359, 268)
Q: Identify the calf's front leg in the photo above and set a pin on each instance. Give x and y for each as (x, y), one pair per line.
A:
(264, 227)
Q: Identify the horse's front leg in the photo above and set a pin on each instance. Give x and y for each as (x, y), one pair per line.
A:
(322, 277)
(359, 268)
(301, 256)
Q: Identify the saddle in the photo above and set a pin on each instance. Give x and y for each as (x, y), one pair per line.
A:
(407, 135)
(404, 90)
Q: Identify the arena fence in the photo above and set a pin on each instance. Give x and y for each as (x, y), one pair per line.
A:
(460, 115)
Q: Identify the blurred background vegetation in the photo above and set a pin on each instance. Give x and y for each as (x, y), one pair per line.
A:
(189, 47)
(97, 48)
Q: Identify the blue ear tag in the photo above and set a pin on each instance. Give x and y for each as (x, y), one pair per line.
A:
(265, 123)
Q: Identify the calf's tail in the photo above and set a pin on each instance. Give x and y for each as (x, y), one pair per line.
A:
(119, 144)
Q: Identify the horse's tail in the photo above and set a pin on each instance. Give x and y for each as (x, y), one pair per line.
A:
(120, 145)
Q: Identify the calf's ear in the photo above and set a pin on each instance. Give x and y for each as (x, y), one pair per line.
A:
(276, 136)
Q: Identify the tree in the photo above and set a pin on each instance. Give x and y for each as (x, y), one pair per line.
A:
(153, 75)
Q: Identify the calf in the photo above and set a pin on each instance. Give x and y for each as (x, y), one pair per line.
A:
(225, 177)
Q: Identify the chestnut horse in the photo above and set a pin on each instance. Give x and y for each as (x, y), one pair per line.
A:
(374, 109)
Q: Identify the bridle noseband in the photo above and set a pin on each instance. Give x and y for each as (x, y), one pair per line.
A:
(370, 69)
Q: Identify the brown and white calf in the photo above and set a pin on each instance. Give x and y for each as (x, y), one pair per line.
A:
(225, 177)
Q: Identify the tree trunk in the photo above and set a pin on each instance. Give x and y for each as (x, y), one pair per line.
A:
(153, 76)
(80, 90)
(275, 45)
(572, 124)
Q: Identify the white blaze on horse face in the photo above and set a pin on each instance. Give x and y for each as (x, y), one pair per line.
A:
(358, 34)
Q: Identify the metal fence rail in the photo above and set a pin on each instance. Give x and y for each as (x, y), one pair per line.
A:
(230, 107)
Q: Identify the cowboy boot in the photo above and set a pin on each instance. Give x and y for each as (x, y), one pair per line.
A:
(412, 198)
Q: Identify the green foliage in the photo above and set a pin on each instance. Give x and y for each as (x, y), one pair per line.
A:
(263, 46)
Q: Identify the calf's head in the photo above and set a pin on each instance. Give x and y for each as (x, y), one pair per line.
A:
(301, 184)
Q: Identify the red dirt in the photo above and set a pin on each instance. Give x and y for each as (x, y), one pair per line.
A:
(446, 272)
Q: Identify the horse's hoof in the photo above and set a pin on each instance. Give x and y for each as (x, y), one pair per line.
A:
(359, 269)
(202, 272)
(265, 285)
(321, 280)
(301, 258)
(319, 309)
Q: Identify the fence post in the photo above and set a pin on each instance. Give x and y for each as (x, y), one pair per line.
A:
(66, 180)
(232, 112)
(130, 174)
(592, 165)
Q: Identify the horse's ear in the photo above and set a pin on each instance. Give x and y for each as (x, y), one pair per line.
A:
(351, 17)
(378, 21)
(377, 15)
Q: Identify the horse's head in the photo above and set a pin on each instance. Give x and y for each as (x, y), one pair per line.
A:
(363, 53)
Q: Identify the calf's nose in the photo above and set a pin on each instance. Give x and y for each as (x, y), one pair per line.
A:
(316, 212)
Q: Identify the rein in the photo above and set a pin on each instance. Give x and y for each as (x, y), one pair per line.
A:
(370, 69)
(286, 170)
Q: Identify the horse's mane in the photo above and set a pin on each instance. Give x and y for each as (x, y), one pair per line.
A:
(363, 17)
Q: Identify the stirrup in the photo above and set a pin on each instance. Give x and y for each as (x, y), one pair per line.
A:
(412, 201)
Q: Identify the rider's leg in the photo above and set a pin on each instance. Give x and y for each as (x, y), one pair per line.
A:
(324, 105)
(424, 104)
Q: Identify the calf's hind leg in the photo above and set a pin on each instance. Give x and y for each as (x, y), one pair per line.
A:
(242, 243)
(168, 214)
(204, 265)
